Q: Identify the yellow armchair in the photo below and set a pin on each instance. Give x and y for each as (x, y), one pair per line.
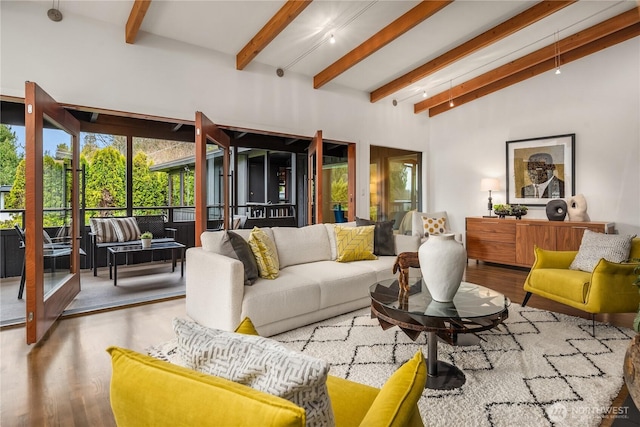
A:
(148, 392)
(608, 289)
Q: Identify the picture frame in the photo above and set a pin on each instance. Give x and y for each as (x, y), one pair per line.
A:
(540, 169)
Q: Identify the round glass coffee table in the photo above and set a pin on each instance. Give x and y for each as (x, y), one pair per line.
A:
(474, 309)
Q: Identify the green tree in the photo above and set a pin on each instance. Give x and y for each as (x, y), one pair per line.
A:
(9, 158)
(15, 198)
(149, 188)
(339, 185)
(106, 180)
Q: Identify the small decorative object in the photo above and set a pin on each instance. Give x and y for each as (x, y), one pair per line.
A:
(577, 208)
(442, 263)
(145, 238)
(403, 262)
(507, 210)
(556, 210)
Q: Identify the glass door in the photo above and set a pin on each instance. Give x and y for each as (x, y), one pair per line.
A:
(52, 182)
(211, 176)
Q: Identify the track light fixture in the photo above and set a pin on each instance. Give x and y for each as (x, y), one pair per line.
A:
(557, 49)
(332, 39)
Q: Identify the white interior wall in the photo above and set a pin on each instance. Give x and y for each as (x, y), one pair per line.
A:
(597, 98)
(87, 63)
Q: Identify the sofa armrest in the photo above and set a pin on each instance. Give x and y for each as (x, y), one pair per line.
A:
(405, 243)
(214, 289)
(611, 289)
(552, 259)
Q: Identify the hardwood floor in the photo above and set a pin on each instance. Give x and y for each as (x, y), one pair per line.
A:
(64, 381)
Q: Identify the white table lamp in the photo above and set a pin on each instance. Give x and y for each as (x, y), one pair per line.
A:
(489, 184)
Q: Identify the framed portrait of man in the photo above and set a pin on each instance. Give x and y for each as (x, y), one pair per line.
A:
(540, 169)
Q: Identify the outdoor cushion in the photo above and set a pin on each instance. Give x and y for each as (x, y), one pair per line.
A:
(102, 228)
(126, 229)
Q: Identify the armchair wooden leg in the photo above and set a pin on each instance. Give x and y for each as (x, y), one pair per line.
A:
(593, 325)
(526, 299)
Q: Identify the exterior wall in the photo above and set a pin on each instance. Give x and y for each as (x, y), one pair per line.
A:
(597, 98)
(87, 63)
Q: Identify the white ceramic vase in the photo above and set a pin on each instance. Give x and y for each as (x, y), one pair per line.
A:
(146, 243)
(442, 263)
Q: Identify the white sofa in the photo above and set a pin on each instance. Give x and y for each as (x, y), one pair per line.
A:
(311, 285)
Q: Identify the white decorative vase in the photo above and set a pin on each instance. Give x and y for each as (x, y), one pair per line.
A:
(146, 243)
(442, 263)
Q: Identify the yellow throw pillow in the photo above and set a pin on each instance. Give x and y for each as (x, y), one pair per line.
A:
(246, 327)
(433, 226)
(354, 243)
(395, 404)
(264, 249)
(148, 392)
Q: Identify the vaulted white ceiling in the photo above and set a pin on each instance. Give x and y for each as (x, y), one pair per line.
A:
(303, 47)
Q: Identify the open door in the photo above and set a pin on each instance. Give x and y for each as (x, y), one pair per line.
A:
(314, 204)
(52, 182)
(211, 175)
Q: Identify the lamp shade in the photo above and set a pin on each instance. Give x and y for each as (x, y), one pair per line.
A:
(489, 184)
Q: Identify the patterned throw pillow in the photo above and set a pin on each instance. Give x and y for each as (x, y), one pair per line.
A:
(383, 240)
(594, 246)
(102, 228)
(126, 229)
(264, 249)
(260, 363)
(433, 226)
(354, 243)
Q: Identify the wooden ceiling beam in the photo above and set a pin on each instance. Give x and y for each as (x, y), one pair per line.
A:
(570, 56)
(508, 27)
(572, 42)
(278, 22)
(413, 17)
(138, 11)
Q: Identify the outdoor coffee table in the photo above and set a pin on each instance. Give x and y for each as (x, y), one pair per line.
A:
(114, 251)
(474, 309)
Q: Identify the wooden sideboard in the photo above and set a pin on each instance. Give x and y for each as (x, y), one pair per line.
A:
(511, 241)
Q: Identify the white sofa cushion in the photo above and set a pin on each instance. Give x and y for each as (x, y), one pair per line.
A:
(302, 245)
(339, 282)
(287, 296)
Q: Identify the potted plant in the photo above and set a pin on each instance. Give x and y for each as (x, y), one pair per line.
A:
(145, 238)
(502, 210)
(519, 211)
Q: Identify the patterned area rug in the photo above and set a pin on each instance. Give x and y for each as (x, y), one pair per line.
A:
(537, 369)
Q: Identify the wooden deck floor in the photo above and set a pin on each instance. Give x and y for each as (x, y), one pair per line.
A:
(64, 381)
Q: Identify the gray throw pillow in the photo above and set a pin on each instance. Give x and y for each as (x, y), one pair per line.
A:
(383, 241)
(595, 246)
(234, 246)
(260, 363)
